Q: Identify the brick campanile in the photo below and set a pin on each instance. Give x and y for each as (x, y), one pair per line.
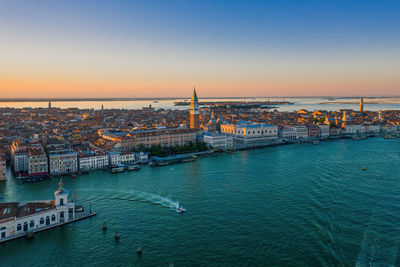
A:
(194, 111)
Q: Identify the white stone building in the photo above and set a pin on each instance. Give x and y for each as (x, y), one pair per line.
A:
(354, 129)
(287, 133)
(221, 141)
(19, 218)
(128, 158)
(301, 132)
(324, 128)
(114, 158)
(249, 133)
(93, 162)
(142, 157)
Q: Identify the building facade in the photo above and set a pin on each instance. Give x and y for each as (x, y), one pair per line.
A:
(194, 112)
(287, 133)
(251, 133)
(93, 162)
(3, 167)
(147, 138)
(18, 218)
(301, 132)
(63, 161)
(38, 163)
(219, 141)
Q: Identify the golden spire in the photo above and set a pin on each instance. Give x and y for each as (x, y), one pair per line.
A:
(60, 185)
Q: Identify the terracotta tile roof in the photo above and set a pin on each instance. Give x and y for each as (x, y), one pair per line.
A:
(22, 209)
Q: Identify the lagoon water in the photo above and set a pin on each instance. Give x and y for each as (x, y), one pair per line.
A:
(311, 103)
(297, 205)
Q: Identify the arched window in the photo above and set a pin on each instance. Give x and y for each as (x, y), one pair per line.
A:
(41, 221)
(53, 218)
(19, 227)
(32, 224)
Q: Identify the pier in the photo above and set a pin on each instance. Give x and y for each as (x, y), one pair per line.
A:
(78, 216)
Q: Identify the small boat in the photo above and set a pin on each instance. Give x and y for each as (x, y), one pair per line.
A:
(104, 226)
(188, 160)
(388, 136)
(315, 142)
(79, 208)
(116, 236)
(117, 169)
(163, 163)
(139, 250)
(133, 167)
(179, 208)
(152, 164)
(363, 168)
(73, 176)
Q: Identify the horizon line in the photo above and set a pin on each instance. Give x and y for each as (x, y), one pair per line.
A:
(70, 99)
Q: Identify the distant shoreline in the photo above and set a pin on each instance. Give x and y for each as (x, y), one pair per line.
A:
(178, 98)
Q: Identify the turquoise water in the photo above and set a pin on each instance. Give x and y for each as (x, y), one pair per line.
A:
(290, 205)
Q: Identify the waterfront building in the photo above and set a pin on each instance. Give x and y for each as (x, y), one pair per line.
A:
(38, 163)
(128, 158)
(142, 157)
(164, 137)
(114, 158)
(93, 161)
(390, 128)
(28, 159)
(301, 132)
(248, 133)
(324, 130)
(63, 161)
(335, 131)
(287, 132)
(3, 167)
(19, 218)
(354, 129)
(194, 112)
(19, 158)
(372, 128)
(220, 141)
(314, 131)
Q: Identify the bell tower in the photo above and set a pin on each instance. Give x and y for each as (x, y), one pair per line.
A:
(194, 111)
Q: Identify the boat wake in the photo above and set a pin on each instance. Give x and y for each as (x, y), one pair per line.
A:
(136, 195)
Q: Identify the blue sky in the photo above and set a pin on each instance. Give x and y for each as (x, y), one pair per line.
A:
(151, 48)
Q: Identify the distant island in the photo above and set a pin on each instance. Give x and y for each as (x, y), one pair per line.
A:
(238, 104)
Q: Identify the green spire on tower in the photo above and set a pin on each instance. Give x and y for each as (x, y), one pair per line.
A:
(194, 96)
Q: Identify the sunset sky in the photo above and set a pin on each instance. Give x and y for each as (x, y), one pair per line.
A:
(224, 48)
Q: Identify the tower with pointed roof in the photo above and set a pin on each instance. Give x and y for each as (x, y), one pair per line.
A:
(361, 104)
(194, 111)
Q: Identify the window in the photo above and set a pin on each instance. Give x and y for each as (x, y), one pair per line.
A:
(53, 218)
(41, 221)
(19, 227)
(32, 224)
